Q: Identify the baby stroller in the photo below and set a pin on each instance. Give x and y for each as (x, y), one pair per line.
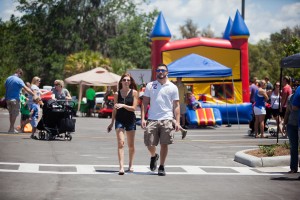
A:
(56, 120)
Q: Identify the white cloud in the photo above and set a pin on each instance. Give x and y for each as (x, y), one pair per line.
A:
(8, 8)
(262, 17)
(262, 21)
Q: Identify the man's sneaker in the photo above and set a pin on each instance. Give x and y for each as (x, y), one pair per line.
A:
(13, 131)
(183, 132)
(161, 171)
(33, 137)
(153, 162)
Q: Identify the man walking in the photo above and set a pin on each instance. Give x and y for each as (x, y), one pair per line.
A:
(90, 99)
(296, 107)
(163, 97)
(13, 86)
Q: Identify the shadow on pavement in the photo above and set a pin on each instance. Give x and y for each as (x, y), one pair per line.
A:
(286, 179)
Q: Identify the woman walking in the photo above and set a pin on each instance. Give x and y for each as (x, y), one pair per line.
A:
(274, 97)
(125, 102)
(261, 98)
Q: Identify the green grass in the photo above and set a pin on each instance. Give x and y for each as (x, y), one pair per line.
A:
(269, 150)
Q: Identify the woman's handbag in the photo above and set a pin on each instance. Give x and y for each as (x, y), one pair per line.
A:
(3, 103)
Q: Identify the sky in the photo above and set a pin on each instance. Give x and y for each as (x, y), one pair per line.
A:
(262, 17)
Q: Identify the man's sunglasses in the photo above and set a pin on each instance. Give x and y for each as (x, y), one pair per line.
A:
(161, 70)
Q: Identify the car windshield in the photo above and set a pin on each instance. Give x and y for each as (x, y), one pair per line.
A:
(100, 95)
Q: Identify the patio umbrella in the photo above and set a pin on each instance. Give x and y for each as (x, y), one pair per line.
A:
(95, 77)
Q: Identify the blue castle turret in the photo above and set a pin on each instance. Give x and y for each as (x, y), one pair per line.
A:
(160, 30)
(228, 29)
(239, 29)
(236, 29)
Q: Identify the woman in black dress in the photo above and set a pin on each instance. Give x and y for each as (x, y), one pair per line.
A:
(123, 116)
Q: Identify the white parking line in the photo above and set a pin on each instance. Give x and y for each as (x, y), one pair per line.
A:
(138, 169)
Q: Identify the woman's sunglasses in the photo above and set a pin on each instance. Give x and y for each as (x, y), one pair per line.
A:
(126, 80)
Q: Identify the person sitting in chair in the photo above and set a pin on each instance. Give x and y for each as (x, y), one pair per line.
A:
(191, 101)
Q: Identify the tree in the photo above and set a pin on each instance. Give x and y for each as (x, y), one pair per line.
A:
(264, 58)
(132, 42)
(120, 66)
(207, 32)
(189, 30)
(49, 31)
(84, 61)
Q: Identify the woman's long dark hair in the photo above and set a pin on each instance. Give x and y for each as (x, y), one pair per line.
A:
(132, 82)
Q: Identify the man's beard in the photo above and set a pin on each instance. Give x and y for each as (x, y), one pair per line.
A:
(161, 76)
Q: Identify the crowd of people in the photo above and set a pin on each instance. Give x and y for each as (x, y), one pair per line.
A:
(269, 102)
(27, 100)
(283, 106)
(163, 107)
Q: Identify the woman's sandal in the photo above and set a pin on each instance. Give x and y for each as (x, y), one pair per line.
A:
(130, 169)
(121, 173)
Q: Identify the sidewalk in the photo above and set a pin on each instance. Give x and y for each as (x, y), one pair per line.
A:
(252, 161)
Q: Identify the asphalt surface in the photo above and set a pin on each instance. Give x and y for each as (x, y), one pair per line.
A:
(200, 167)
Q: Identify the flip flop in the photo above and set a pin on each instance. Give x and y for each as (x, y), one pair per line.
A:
(130, 170)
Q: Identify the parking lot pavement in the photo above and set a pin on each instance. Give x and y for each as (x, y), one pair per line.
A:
(199, 167)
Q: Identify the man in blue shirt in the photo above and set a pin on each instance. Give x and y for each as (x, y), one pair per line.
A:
(296, 106)
(253, 88)
(13, 86)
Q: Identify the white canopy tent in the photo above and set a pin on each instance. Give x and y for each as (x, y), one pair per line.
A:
(95, 77)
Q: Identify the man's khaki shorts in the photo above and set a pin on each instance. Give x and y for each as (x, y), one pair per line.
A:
(13, 107)
(159, 131)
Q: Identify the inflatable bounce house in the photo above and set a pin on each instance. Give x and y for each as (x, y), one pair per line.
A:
(214, 69)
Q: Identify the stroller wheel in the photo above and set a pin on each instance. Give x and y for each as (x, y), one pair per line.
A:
(250, 132)
(41, 135)
(272, 132)
(68, 136)
(48, 136)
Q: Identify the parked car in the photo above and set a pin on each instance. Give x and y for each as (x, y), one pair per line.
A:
(99, 98)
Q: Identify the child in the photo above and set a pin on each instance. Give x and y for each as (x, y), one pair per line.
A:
(191, 101)
(25, 112)
(34, 115)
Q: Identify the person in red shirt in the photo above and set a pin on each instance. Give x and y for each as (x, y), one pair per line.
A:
(286, 92)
